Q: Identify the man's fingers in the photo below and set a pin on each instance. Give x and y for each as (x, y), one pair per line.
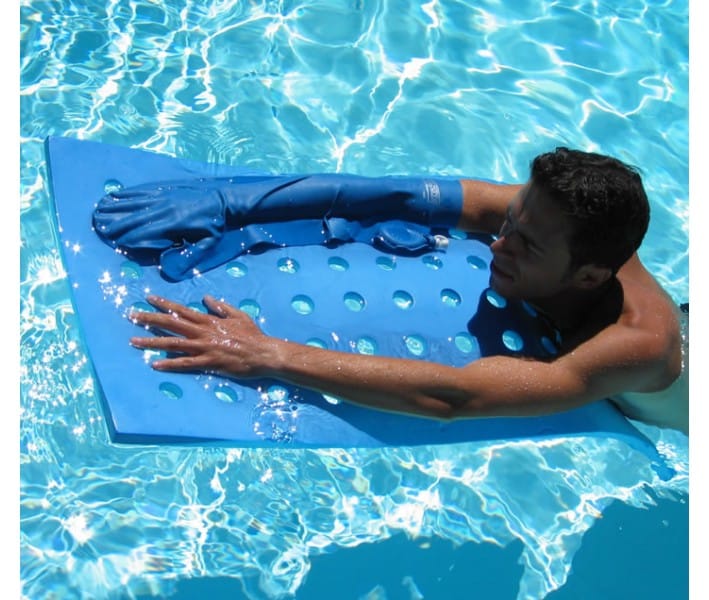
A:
(218, 307)
(183, 364)
(170, 322)
(175, 309)
(168, 344)
(221, 308)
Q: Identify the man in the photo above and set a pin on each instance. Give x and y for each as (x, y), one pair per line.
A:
(566, 244)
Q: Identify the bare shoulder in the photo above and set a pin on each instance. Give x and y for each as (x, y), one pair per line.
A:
(650, 312)
(647, 306)
(639, 351)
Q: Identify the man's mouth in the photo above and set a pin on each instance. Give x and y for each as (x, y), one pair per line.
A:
(497, 272)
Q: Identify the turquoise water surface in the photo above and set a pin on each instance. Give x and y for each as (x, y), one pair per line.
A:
(383, 87)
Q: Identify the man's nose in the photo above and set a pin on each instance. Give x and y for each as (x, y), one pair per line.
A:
(498, 245)
(506, 242)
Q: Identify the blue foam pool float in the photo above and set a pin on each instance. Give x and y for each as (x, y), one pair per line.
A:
(433, 305)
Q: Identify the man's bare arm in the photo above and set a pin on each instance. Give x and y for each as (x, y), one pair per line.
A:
(485, 205)
(230, 343)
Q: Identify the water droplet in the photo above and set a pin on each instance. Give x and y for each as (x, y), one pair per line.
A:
(112, 185)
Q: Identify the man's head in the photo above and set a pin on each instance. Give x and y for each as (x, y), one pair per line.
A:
(578, 219)
(603, 198)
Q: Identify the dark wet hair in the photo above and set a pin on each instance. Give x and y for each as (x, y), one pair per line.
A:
(603, 197)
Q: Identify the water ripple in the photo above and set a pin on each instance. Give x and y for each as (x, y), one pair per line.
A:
(374, 88)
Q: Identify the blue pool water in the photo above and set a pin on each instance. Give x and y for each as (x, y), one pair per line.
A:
(385, 87)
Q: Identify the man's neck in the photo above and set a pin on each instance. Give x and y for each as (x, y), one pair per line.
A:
(580, 314)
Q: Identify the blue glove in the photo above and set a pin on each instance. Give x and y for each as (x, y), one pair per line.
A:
(200, 223)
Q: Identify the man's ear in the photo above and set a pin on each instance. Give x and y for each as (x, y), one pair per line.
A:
(588, 277)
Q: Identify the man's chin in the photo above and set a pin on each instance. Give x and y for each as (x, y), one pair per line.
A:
(503, 286)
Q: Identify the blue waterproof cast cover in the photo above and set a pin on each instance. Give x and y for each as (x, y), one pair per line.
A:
(352, 297)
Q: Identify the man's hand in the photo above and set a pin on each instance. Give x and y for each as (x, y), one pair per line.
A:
(227, 341)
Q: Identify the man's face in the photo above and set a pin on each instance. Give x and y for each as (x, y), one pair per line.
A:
(531, 256)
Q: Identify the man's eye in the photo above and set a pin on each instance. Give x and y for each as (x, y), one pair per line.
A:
(533, 248)
(507, 223)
